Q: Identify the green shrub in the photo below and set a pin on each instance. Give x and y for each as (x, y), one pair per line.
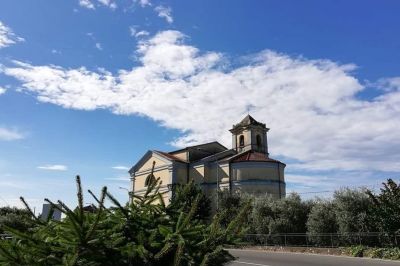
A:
(355, 251)
(391, 253)
(143, 232)
(380, 253)
(374, 252)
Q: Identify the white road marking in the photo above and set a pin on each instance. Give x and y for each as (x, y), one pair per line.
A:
(250, 263)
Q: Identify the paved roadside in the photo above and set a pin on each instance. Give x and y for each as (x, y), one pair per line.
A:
(270, 258)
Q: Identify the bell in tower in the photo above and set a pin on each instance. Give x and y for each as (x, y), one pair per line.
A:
(249, 134)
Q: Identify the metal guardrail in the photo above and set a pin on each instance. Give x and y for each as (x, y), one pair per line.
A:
(372, 239)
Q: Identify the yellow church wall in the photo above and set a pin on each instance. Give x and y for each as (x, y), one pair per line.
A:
(165, 177)
(223, 173)
(197, 174)
(166, 194)
(257, 173)
(248, 170)
(166, 197)
(149, 163)
(260, 189)
(247, 139)
(224, 178)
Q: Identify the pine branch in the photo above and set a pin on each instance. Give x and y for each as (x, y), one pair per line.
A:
(29, 210)
(80, 198)
(98, 215)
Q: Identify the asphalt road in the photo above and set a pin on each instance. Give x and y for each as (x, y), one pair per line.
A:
(269, 258)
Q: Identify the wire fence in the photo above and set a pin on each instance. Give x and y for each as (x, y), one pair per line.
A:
(370, 239)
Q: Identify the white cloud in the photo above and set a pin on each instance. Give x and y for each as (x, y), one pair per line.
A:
(53, 167)
(120, 167)
(9, 134)
(98, 46)
(144, 3)
(55, 51)
(7, 36)
(311, 106)
(2, 90)
(389, 84)
(120, 178)
(89, 4)
(164, 12)
(142, 33)
(108, 3)
(133, 30)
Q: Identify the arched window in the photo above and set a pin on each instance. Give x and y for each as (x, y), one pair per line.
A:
(241, 141)
(149, 180)
(258, 141)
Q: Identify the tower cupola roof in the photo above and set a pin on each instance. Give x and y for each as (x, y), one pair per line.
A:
(247, 121)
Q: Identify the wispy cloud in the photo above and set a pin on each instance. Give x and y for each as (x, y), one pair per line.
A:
(319, 128)
(53, 167)
(90, 4)
(108, 3)
(164, 12)
(120, 167)
(120, 178)
(134, 32)
(9, 134)
(142, 33)
(2, 90)
(98, 46)
(55, 51)
(8, 37)
(87, 4)
(144, 3)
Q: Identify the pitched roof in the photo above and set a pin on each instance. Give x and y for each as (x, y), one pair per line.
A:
(253, 156)
(202, 147)
(170, 156)
(247, 121)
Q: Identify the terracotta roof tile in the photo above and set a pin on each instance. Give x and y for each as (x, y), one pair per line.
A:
(254, 157)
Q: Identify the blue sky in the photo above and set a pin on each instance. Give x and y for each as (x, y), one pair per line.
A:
(88, 85)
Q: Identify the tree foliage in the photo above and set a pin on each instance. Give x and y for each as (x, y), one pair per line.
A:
(322, 220)
(287, 215)
(386, 207)
(352, 210)
(184, 196)
(141, 232)
(18, 218)
(230, 204)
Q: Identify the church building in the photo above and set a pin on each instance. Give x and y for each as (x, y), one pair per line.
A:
(246, 166)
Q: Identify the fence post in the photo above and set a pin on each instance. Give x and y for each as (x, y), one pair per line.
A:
(285, 239)
(306, 239)
(331, 240)
(359, 237)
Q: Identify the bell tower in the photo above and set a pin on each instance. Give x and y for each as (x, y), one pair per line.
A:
(250, 134)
